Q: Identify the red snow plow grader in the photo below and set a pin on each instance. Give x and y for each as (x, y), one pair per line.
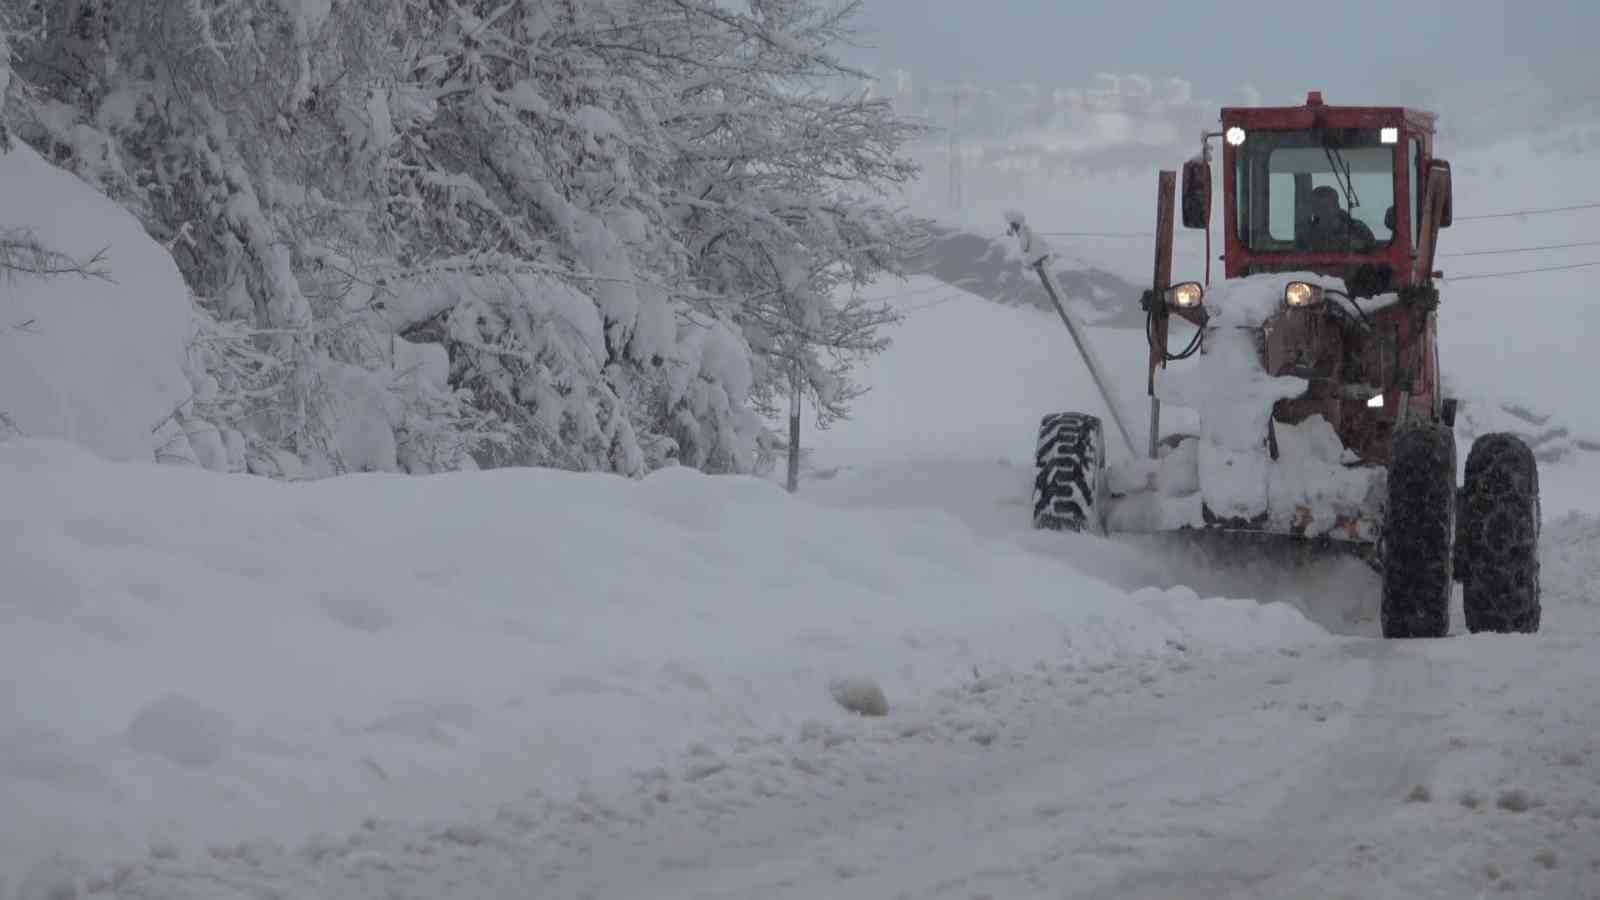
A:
(1313, 371)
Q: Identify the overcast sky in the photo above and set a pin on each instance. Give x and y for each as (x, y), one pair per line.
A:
(1357, 51)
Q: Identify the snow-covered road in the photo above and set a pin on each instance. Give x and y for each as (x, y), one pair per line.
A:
(1351, 768)
(1338, 767)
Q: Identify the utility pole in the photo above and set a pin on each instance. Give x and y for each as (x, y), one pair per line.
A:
(794, 428)
(956, 192)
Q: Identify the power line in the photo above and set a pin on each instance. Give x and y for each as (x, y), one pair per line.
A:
(1583, 265)
(932, 303)
(1106, 234)
(941, 286)
(1110, 234)
(1523, 249)
(1528, 212)
(1465, 253)
(1497, 215)
(950, 298)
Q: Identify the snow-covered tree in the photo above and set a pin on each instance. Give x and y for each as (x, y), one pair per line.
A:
(718, 139)
(21, 252)
(180, 111)
(784, 148)
(5, 78)
(597, 234)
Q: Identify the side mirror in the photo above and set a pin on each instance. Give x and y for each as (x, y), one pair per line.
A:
(1388, 220)
(1196, 194)
(1448, 212)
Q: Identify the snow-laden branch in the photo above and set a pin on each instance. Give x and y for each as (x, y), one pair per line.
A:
(21, 253)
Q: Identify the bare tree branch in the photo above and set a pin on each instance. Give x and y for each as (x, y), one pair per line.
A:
(21, 253)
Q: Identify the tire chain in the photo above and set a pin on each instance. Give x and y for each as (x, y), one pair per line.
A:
(1498, 536)
(1418, 529)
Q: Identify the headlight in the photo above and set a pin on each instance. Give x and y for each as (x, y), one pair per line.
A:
(1375, 402)
(1235, 135)
(1300, 294)
(1186, 295)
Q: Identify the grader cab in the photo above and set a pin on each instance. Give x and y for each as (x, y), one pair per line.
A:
(1313, 368)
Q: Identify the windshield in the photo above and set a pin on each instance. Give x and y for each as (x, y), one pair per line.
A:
(1322, 190)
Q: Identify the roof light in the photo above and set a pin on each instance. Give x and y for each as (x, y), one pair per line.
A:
(1235, 136)
(1389, 135)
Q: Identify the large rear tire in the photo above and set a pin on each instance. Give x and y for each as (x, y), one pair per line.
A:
(1418, 533)
(1498, 535)
(1068, 475)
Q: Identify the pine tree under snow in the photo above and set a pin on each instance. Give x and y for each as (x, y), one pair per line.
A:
(431, 235)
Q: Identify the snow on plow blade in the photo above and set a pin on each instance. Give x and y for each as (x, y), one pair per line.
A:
(1193, 486)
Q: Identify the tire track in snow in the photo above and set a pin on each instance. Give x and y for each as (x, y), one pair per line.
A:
(947, 823)
(1393, 745)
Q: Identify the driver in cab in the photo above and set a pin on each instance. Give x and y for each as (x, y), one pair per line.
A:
(1331, 228)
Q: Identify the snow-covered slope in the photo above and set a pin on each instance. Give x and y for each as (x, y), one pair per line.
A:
(97, 361)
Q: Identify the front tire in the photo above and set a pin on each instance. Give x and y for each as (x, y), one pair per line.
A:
(1499, 536)
(1068, 473)
(1418, 533)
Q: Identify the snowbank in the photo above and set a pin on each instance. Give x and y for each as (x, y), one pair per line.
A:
(99, 363)
(197, 659)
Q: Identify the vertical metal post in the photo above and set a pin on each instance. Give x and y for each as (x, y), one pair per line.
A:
(794, 432)
(1166, 188)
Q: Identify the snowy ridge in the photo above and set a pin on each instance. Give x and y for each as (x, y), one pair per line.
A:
(990, 266)
(200, 660)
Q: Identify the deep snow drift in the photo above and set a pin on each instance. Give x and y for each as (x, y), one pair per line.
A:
(196, 659)
(97, 361)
